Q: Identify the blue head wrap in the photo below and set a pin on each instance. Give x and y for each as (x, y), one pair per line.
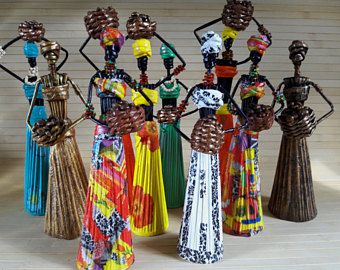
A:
(31, 49)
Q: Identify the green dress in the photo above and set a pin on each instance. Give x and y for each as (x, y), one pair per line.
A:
(171, 152)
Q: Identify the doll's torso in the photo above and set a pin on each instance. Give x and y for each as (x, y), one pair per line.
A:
(55, 90)
(296, 91)
(252, 89)
(110, 87)
(169, 92)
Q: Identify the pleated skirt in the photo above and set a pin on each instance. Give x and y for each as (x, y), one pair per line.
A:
(201, 237)
(241, 193)
(149, 210)
(106, 241)
(172, 166)
(66, 190)
(130, 164)
(36, 169)
(226, 119)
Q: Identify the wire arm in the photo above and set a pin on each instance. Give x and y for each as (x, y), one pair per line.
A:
(319, 90)
(205, 26)
(85, 56)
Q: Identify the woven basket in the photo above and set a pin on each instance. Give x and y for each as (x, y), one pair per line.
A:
(261, 117)
(297, 123)
(124, 118)
(167, 115)
(237, 14)
(207, 135)
(31, 31)
(49, 132)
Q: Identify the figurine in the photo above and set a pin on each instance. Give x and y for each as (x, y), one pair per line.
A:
(292, 196)
(201, 236)
(236, 16)
(149, 211)
(241, 192)
(36, 157)
(106, 241)
(169, 139)
(67, 177)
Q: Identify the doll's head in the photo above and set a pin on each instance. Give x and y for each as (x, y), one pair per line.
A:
(111, 40)
(168, 56)
(211, 46)
(257, 46)
(31, 31)
(51, 51)
(140, 26)
(99, 19)
(297, 51)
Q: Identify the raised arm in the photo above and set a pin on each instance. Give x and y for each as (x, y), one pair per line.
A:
(263, 31)
(205, 26)
(3, 52)
(319, 90)
(85, 56)
(178, 69)
(35, 94)
(235, 88)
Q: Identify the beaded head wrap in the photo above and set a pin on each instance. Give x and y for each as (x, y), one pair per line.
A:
(258, 43)
(111, 36)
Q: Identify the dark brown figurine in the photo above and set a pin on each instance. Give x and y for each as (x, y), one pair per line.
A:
(292, 196)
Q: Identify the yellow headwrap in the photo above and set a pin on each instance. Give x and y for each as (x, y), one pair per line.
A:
(141, 47)
(138, 99)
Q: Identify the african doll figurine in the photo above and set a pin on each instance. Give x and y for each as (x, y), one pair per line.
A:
(241, 193)
(36, 157)
(169, 139)
(201, 235)
(96, 21)
(149, 210)
(236, 17)
(106, 241)
(67, 177)
(292, 196)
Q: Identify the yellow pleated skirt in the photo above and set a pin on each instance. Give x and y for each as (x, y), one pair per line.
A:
(149, 210)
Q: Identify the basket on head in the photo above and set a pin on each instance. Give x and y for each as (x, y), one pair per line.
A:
(140, 26)
(237, 14)
(31, 31)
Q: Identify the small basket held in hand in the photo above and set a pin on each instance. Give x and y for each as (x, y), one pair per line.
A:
(261, 117)
(124, 118)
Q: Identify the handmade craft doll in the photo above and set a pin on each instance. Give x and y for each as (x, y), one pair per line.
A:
(106, 241)
(241, 193)
(95, 23)
(149, 210)
(169, 139)
(36, 157)
(292, 196)
(201, 236)
(67, 177)
(236, 16)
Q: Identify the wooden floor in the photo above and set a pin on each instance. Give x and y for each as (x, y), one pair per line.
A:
(282, 245)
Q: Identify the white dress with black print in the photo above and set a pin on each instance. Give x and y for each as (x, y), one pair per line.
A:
(201, 235)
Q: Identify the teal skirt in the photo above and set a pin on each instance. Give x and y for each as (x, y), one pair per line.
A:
(172, 164)
(36, 169)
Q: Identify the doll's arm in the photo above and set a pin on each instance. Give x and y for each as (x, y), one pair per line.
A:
(263, 31)
(235, 88)
(136, 86)
(238, 110)
(182, 84)
(65, 58)
(319, 90)
(80, 95)
(35, 94)
(3, 52)
(205, 26)
(277, 97)
(85, 56)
